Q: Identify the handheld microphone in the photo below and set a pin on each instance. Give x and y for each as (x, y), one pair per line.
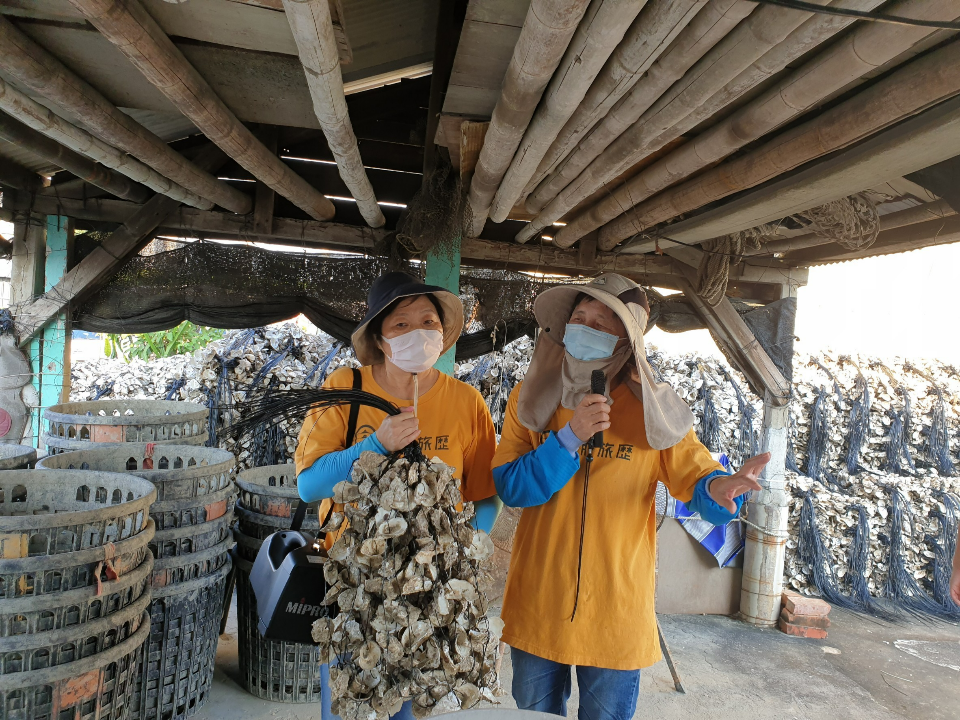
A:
(598, 386)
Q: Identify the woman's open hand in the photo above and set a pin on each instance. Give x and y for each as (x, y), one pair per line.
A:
(725, 489)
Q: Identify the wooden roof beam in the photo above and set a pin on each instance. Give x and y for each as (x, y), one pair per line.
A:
(652, 33)
(16, 132)
(601, 30)
(41, 119)
(546, 32)
(313, 32)
(901, 137)
(138, 36)
(97, 267)
(39, 71)
(866, 48)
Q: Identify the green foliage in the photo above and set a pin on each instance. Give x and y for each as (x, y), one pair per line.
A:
(184, 338)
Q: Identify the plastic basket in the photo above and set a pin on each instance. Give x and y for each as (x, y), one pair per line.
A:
(177, 670)
(178, 471)
(93, 688)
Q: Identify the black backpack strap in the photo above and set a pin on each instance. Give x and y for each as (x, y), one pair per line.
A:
(354, 409)
(301, 511)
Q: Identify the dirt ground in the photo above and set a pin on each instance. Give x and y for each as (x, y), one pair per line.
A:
(865, 669)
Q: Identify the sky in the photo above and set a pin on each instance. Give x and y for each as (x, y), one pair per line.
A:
(894, 305)
(885, 306)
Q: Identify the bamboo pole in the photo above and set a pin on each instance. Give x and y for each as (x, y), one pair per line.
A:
(36, 116)
(313, 31)
(546, 32)
(16, 132)
(916, 86)
(138, 36)
(651, 34)
(696, 97)
(37, 70)
(598, 34)
(867, 47)
(696, 47)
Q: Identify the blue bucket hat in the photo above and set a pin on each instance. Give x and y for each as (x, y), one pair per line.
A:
(390, 287)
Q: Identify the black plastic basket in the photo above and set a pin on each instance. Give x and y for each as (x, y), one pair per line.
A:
(53, 574)
(171, 514)
(179, 569)
(36, 614)
(273, 670)
(50, 648)
(92, 688)
(177, 670)
(192, 538)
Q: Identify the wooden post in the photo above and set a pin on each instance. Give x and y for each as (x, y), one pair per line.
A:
(767, 510)
(49, 350)
(443, 269)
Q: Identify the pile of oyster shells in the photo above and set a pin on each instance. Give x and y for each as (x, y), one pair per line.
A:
(831, 378)
(404, 581)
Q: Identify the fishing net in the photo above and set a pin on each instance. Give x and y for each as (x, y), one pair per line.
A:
(234, 286)
(437, 215)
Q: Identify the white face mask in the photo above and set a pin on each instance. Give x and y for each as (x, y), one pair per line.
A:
(416, 351)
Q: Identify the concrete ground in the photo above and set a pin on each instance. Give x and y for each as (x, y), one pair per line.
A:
(864, 670)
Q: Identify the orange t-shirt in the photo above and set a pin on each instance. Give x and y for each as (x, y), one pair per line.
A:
(455, 425)
(615, 626)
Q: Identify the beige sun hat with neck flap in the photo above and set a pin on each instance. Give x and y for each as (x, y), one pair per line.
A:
(666, 416)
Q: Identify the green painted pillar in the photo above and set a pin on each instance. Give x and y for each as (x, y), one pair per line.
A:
(443, 269)
(50, 349)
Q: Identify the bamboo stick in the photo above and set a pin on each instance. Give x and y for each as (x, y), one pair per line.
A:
(37, 70)
(598, 34)
(313, 31)
(697, 45)
(138, 36)
(16, 132)
(867, 47)
(546, 32)
(36, 116)
(651, 34)
(916, 86)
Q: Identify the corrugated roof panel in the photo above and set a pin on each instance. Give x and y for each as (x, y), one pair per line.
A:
(167, 126)
(26, 159)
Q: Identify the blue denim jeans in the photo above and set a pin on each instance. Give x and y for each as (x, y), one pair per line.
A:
(544, 685)
(406, 712)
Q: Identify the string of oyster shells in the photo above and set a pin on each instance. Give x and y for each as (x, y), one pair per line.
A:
(404, 581)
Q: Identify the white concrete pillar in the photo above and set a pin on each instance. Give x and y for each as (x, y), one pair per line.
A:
(767, 511)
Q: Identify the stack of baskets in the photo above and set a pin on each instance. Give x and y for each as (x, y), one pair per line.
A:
(273, 670)
(73, 426)
(74, 592)
(193, 514)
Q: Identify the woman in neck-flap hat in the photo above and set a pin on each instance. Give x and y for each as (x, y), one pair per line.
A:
(580, 589)
(408, 326)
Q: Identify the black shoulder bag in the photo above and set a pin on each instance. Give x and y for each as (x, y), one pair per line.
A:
(287, 576)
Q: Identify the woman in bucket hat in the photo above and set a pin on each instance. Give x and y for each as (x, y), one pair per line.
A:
(580, 589)
(408, 326)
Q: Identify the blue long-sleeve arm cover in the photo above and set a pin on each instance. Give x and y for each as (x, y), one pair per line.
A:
(317, 481)
(707, 507)
(532, 479)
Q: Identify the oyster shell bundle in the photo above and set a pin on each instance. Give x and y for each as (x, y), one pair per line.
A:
(404, 579)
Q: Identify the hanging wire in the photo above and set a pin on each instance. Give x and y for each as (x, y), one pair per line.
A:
(901, 587)
(814, 553)
(858, 428)
(860, 14)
